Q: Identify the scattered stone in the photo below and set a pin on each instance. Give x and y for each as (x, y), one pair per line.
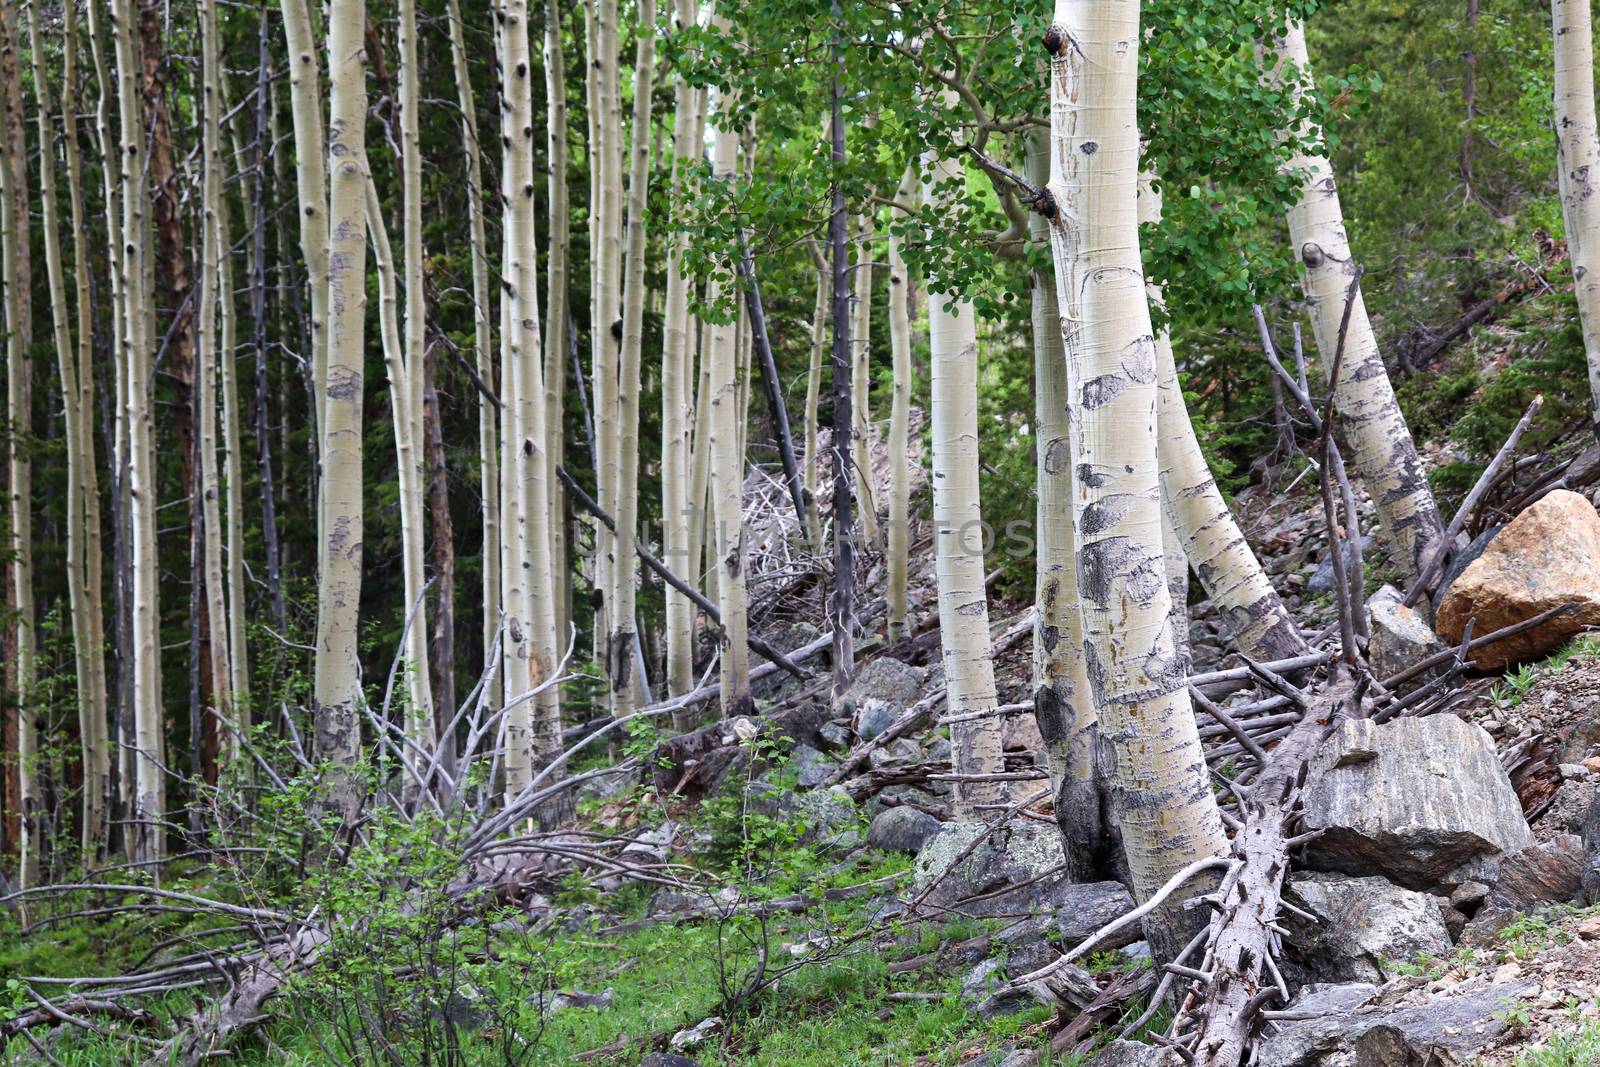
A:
(835, 734)
(1590, 878)
(1589, 929)
(884, 679)
(985, 994)
(1539, 875)
(1364, 926)
(1401, 638)
(550, 1003)
(1423, 802)
(1548, 555)
(812, 766)
(1133, 1054)
(1394, 1036)
(1021, 734)
(1573, 770)
(872, 718)
(1082, 908)
(901, 750)
(698, 1034)
(901, 829)
(1321, 580)
(940, 749)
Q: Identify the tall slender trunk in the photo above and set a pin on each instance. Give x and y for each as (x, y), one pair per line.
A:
(675, 408)
(442, 642)
(134, 366)
(898, 539)
(1208, 536)
(841, 607)
(85, 483)
(482, 340)
(958, 538)
(19, 409)
(1062, 705)
(605, 236)
(727, 462)
(624, 636)
(558, 314)
(819, 343)
(265, 116)
(337, 678)
(1578, 170)
(861, 380)
(1383, 453)
(1157, 771)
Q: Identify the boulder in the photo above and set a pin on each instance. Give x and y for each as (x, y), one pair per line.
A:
(1016, 869)
(872, 717)
(1401, 638)
(1374, 1033)
(901, 829)
(811, 765)
(1423, 802)
(1321, 580)
(1537, 876)
(1133, 1054)
(1364, 926)
(885, 679)
(984, 991)
(1590, 876)
(560, 1000)
(902, 751)
(1084, 907)
(1548, 555)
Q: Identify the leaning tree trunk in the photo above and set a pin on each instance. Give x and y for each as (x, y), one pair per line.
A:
(675, 405)
(1061, 703)
(337, 677)
(1207, 534)
(1157, 771)
(624, 639)
(1383, 453)
(727, 465)
(19, 406)
(1578, 171)
(898, 536)
(958, 540)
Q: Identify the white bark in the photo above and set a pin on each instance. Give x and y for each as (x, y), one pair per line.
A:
(1381, 448)
(898, 535)
(819, 344)
(958, 536)
(861, 382)
(556, 336)
(311, 181)
(1578, 170)
(1157, 773)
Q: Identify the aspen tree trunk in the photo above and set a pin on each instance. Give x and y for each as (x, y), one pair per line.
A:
(311, 150)
(558, 314)
(605, 224)
(409, 433)
(483, 337)
(266, 123)
(898, 538)
(702, 550)
(861, 381)
(442, 551)
(1157, 772)
(675, 409)
(337, 682)
(134, 366)
(1578, 170)
(1208, 536)
(958, 539)
(1383, 453)
(727, 465)
(541, 742)
(238, 681)
(841, 603)
(819, 343)
(85, 483)
(19, 406)
(213, 247)
(624, 637)
(1062, 705)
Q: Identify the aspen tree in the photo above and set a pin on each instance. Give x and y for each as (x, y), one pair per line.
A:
(675, 405)
(605, 237)
(1208, 537)
(898, 536)
(337, 681)
(19, 405)
(958, 534)
(558, 312)
(819, 344)
(726, 461)
(1157, 772)
(1578, 170)
(311, 181)
(861, 380)
(78, 377)
(483, 336)
(1381, 447)
(541, 741)
(624, 638)
(238, 660)
(1062, 705)
(134, 366)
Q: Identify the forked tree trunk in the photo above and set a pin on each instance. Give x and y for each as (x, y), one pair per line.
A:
(624, 637)
(897, 540)
(727, 465)
(1157, 771)
(675, 409)
(1062, 706)
(1578, 171)
(958, 540)
(1383, 453)
(337, 679)
(1208, 536)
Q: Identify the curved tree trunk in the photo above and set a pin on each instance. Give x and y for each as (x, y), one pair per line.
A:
(1578, 170)
(1157, 772)
(958, 541)
(1382, 450)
